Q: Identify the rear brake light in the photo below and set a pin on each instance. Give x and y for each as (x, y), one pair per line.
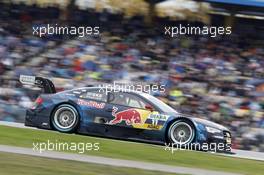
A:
(37, 102)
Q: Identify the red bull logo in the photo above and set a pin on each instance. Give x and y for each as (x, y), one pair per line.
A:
(130, 116)
(91, 104)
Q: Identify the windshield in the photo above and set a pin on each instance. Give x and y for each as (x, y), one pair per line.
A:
(160, 104)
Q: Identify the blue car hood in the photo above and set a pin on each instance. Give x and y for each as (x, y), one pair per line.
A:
(209, 123)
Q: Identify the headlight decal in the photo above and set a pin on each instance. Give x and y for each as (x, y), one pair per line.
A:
(212, 130)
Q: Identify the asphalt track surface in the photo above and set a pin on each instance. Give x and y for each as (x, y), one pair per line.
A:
(110, 161)
(124, 163)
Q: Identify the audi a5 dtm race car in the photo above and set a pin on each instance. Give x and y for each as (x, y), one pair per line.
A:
(128, 115)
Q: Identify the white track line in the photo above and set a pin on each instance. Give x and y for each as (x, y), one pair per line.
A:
(112, 162)
(247, 155)
(13, 124)
(253, 155)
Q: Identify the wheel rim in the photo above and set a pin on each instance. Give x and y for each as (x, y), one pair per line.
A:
(65, 117)
(181, 133)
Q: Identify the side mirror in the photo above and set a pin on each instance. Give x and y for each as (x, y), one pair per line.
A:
(111, 97)
(150, 108)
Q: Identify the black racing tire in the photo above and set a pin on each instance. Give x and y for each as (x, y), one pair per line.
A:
(181, 132)
(65, 118)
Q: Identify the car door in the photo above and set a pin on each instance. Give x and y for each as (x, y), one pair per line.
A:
(95, 109)
(129, 111)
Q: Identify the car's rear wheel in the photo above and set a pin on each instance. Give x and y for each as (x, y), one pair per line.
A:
(181, 132)
(65, 118)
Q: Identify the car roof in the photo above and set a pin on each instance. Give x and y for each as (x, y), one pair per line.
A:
(139, 93)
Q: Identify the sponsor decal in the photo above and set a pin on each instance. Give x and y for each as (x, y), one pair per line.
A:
(92, 95)
(130, 116)
(157, 117)
(228, 140)
(76, 92)
(156, 121)
(151, 126)
(26, 79)
(69, 94)
(91, 104)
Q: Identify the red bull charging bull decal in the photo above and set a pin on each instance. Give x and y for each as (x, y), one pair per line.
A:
(139, 118)
(130, 116)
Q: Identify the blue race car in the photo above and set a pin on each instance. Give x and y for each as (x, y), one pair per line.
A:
(126, 115)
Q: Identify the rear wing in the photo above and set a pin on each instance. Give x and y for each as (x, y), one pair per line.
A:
(40, 82)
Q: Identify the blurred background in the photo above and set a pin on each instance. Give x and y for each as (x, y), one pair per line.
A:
(220, 79)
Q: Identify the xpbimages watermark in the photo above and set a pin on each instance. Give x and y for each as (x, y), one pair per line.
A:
(211, 147)
(55, 29)
(212, 31)
(79, 147)
(137, 87)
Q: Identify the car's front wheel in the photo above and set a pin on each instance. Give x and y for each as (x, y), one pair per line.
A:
(65, 118)
(181, 132)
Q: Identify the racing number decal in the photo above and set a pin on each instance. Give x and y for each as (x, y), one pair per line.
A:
(156, 120)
